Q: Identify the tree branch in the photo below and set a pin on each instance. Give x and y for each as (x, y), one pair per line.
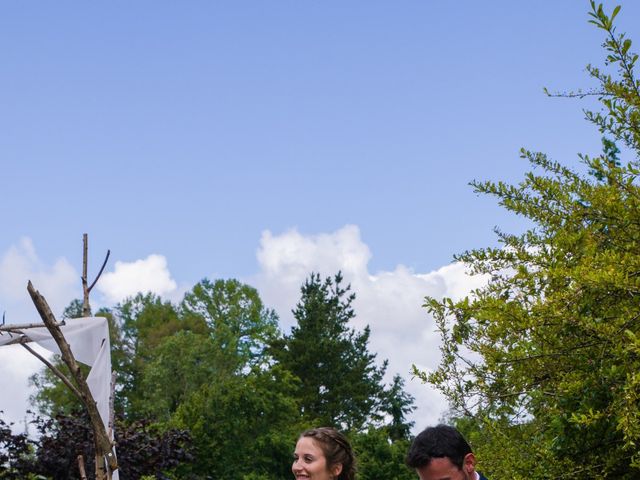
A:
(104, 264)
(18, 328)
(54, 369)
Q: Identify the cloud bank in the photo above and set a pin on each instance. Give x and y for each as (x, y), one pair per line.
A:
(390, 302)
(59, 283)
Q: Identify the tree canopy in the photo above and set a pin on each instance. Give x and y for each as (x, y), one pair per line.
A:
(216, 373)
(541, 364)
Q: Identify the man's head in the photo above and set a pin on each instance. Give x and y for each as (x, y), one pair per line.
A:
(441, 453)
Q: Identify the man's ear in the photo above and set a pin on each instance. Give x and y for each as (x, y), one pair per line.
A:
(469, 463)
(336, 469)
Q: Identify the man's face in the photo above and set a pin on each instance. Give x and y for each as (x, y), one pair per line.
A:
(444, 469)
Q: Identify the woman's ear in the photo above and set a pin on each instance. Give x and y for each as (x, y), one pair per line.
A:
(336, 469)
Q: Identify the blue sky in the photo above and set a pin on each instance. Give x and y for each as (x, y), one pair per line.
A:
(189, 130)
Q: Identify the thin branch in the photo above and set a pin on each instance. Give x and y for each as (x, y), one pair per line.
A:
(16, 338)
(86, 308)
(627, 67)
(18, 328)
(104, 264)
(55, 370)
(593, 93)
(565, 353)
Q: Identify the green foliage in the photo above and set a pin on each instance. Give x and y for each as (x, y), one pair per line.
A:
(339, 382)
(518, 451)
(242, 425)
(216, 368)
(619, 94)
(219, 329)
(176, 369)
(379, 457)
(16, 453)
(146, 321)
(73, 310)
(51, 396)
(237, 321)
(396, 404)
(544, 358)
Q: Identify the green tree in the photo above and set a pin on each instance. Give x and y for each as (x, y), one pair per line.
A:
(380, 458)
(396, 405)
(218, 329)
(177, 368)
(146, 321)
(237, 320)
(541, 365)
(382, 447)
(243, 426)
(340, 384)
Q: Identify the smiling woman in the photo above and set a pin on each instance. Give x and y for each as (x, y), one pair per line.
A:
(323, 454)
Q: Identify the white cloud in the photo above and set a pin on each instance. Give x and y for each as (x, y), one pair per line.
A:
(389, 302)
(128, 278)
(59, 284)
(291, 255)
(16, 366)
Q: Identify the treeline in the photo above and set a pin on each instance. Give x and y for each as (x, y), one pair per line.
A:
(211, 388)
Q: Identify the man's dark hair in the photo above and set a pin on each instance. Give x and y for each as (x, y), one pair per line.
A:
(438, 442)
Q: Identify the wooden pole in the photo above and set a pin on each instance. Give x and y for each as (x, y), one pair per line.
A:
(83, 473)
(86, 308)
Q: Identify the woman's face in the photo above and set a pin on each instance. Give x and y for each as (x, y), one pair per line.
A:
(309, 462)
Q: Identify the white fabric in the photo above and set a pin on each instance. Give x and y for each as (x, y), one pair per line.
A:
(88, 339)
(6, 337)
(84, 336)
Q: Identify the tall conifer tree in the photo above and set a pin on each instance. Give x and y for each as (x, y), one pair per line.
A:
(340, 382)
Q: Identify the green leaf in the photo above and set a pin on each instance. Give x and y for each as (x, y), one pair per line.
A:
(615, 12)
